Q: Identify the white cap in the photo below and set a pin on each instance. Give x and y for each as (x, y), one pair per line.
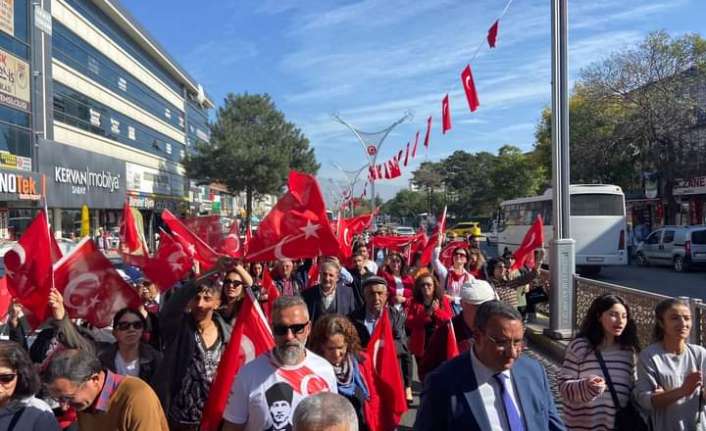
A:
(477, 292)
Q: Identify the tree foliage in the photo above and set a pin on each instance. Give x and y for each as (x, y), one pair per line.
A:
(252, 149)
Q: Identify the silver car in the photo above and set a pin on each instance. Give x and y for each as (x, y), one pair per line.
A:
(680, 247)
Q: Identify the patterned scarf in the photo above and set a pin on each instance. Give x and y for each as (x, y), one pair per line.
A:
(349, 378)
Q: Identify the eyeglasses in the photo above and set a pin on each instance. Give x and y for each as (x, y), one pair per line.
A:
(7, 378)
(461, 254)
(124, 326)
(504, 345)
(235, 283)
(67, 399)
(282, 330)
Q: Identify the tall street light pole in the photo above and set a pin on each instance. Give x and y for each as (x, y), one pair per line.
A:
(562, 259)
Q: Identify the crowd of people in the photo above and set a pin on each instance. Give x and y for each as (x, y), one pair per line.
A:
(154, 368)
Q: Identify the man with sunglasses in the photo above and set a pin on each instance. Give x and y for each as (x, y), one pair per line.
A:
(492, 386)
(252, 403)
(103, 400)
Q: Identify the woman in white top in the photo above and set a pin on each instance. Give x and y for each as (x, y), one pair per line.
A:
(453, 278)
(669, 374)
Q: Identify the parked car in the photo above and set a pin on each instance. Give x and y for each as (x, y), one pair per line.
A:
(680, 247)
(463, 229)
(404, 231)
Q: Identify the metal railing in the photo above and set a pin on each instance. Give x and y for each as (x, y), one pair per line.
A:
(642, 305)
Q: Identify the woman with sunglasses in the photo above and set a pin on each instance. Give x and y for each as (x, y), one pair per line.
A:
(607, 334)
(130, 355)
(399, 283)
(335, 338)
(234, 284)
(428, 310)
(670, 382)
(452, 279)
(20, 410)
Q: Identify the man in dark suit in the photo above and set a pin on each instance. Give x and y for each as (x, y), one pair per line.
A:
(492, 386)
(365, 319)
(329, 296)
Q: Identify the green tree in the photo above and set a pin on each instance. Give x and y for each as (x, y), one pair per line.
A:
(429, 178)
(407, 204)
(514, 175)
(252, 149)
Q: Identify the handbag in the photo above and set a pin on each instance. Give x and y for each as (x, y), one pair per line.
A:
(628, 417)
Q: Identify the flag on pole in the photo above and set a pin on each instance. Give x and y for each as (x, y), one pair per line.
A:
(470, 87)
(427, 135)
(445, 115)
(406, 155)
(534, 238)
(493, 34)
(133, 246)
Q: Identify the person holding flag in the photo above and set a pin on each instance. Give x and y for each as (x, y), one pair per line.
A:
(399, 283)
(506, 284)
(452, 279)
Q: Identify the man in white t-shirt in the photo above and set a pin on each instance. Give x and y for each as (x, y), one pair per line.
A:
(268, 389)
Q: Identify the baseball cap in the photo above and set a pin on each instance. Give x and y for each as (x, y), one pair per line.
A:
(373, 279)
(477, 292)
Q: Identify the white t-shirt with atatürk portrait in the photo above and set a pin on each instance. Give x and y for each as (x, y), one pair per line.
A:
(265, 393)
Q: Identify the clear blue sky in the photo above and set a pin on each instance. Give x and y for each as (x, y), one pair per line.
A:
(372, 60)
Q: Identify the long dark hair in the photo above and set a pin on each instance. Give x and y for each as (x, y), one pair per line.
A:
(660, 309)
(13, 356)
(403, 264)
(592, 330)
(417, 291)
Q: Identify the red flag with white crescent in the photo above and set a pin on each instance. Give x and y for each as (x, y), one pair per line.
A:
(195, 245)
(534, 238)
(251, 337)
(230, 245)
(170, 264)
(445, 115)
(92, 288)
(433, 240)
(28, 268)
(470, 87)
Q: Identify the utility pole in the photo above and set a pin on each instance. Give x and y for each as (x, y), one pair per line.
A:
(561, 322)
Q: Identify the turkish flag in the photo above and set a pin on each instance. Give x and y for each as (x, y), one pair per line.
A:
(28, 268)
(345, 238)
(230, 245)
(493, 34)
(387, 377)
(170, 264)
(208, 228)
(387, 173)
(312, 277)
(379, 169)
(427, 135)
(248, 238)
(297, 227)
(451, 344)
(268, 286)
(470, 87)
(5, 298)
(92, 288)
(445, 115)
(416, 140)
(406, 155)
(397, 172)
(251, 337)
(433, 240)
(399, 156)
(195, 246)
(133, 246)
(534, 238)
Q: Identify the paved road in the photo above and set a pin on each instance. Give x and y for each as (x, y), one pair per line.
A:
(661, 280)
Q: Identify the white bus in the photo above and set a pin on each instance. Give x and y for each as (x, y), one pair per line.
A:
(598, 224)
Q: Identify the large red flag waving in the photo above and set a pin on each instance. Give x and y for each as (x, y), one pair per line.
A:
(386, 375)
(445, 115)
(534, 238)
(133, 246)
(92, 288)
(251, 337)
(28, 267)
(297, 227)
(5, 298)
(170, 264)
(434, 240)
(230, 245)
(470, 87)
(195, 245)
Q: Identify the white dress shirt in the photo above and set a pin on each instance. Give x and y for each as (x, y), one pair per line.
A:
(491, 394)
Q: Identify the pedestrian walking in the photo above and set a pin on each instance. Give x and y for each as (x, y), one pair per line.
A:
(452, 279)
(599, 362)
(399, 283)
(331, 295)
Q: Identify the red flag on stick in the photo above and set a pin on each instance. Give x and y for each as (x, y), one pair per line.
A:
(268, 286)
(248, 238)
(230, 245)
(28, 266)
(133, 246)
(251, 337)
(433, 240)
(470, 87)
(386, 375)
(207, 228)
(170, 264)
(493, 34)
(312, 277)
(406, 155)
(416, 139)
(534, 238)
(445, 115)
(92, 288)
(297, 227)
(387, 172)
(195, 246)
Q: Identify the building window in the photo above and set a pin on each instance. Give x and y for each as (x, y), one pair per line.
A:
(95, 117)
(131, 133)
(122, 83)
(115, 126)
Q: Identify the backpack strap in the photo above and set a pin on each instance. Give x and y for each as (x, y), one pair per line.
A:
(15, 419)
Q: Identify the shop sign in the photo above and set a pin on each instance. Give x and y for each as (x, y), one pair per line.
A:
(153, 181)
(7, 16)
(14, 81)
(9, 160)
(150, 203)
(690, 186)
(76, 177)
(19, 186)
